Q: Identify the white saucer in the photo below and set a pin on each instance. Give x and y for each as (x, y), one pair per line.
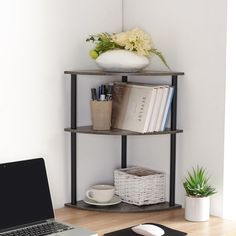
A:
(115, 200)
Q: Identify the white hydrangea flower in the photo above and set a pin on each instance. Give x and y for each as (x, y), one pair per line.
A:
(134, 40)
(121, 38)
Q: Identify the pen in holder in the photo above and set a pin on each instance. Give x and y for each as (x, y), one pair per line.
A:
(101, 114)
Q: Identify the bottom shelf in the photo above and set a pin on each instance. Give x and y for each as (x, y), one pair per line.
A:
(124, 207)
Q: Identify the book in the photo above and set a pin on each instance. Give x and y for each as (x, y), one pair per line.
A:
(132, 106)
(150, 109)
(152, 114)
(167, 108)
(155, 110)
(161, 109)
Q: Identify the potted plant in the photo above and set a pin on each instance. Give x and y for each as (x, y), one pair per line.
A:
(198, 192)
(127, 51)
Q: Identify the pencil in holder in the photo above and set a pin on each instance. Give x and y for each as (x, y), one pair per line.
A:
(101, 114)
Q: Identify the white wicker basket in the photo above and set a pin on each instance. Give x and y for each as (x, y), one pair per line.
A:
(140, 186)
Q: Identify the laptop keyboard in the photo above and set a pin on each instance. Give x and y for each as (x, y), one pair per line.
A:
(39, 230)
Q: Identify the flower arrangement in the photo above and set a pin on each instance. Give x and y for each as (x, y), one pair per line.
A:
(135, 40)
(196, 184)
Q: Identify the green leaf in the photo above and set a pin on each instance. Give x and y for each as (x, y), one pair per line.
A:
(159, 54)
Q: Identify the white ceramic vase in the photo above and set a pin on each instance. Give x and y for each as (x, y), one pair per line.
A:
(197, 209)
(120, 60)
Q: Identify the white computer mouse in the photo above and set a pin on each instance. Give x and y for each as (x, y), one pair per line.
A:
(148, 230)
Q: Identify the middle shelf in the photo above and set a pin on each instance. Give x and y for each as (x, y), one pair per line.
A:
(90, 130)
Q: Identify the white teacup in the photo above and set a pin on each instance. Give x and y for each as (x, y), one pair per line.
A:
(101, 193)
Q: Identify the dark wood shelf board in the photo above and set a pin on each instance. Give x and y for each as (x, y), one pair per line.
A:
(140, 73)
(124, 207)
(90, 130)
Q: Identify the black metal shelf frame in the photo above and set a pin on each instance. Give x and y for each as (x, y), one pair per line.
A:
(174, 83)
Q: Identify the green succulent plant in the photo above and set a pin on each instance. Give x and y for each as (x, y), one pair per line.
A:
(196, 184)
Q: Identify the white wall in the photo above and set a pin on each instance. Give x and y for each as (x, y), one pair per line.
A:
(191, 34)
(39, 40)
(230, 116)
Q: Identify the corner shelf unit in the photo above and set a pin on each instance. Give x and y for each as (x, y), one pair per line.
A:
(122, 207)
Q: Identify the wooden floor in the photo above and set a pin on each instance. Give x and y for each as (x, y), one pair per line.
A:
(107, 222)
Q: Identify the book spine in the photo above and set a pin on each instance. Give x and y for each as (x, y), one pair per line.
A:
(167, 108)
(162, 107)
(156, 108)
(150, 109)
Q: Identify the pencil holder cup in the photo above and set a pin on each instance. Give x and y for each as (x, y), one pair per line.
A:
(101, 114)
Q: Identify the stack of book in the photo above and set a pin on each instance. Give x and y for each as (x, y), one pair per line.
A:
(140, 107)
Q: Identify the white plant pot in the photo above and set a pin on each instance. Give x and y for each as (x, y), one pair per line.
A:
(119, 60)
(197, 209)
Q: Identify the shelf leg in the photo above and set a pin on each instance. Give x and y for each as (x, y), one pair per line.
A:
(124, 139)
(173, 143)
(123, 151)
(73, 139)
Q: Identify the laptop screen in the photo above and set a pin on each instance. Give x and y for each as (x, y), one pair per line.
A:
(24, 193)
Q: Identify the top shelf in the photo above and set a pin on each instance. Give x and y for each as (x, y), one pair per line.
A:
(140, 73)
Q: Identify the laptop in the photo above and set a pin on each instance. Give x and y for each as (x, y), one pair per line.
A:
(25, 202)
